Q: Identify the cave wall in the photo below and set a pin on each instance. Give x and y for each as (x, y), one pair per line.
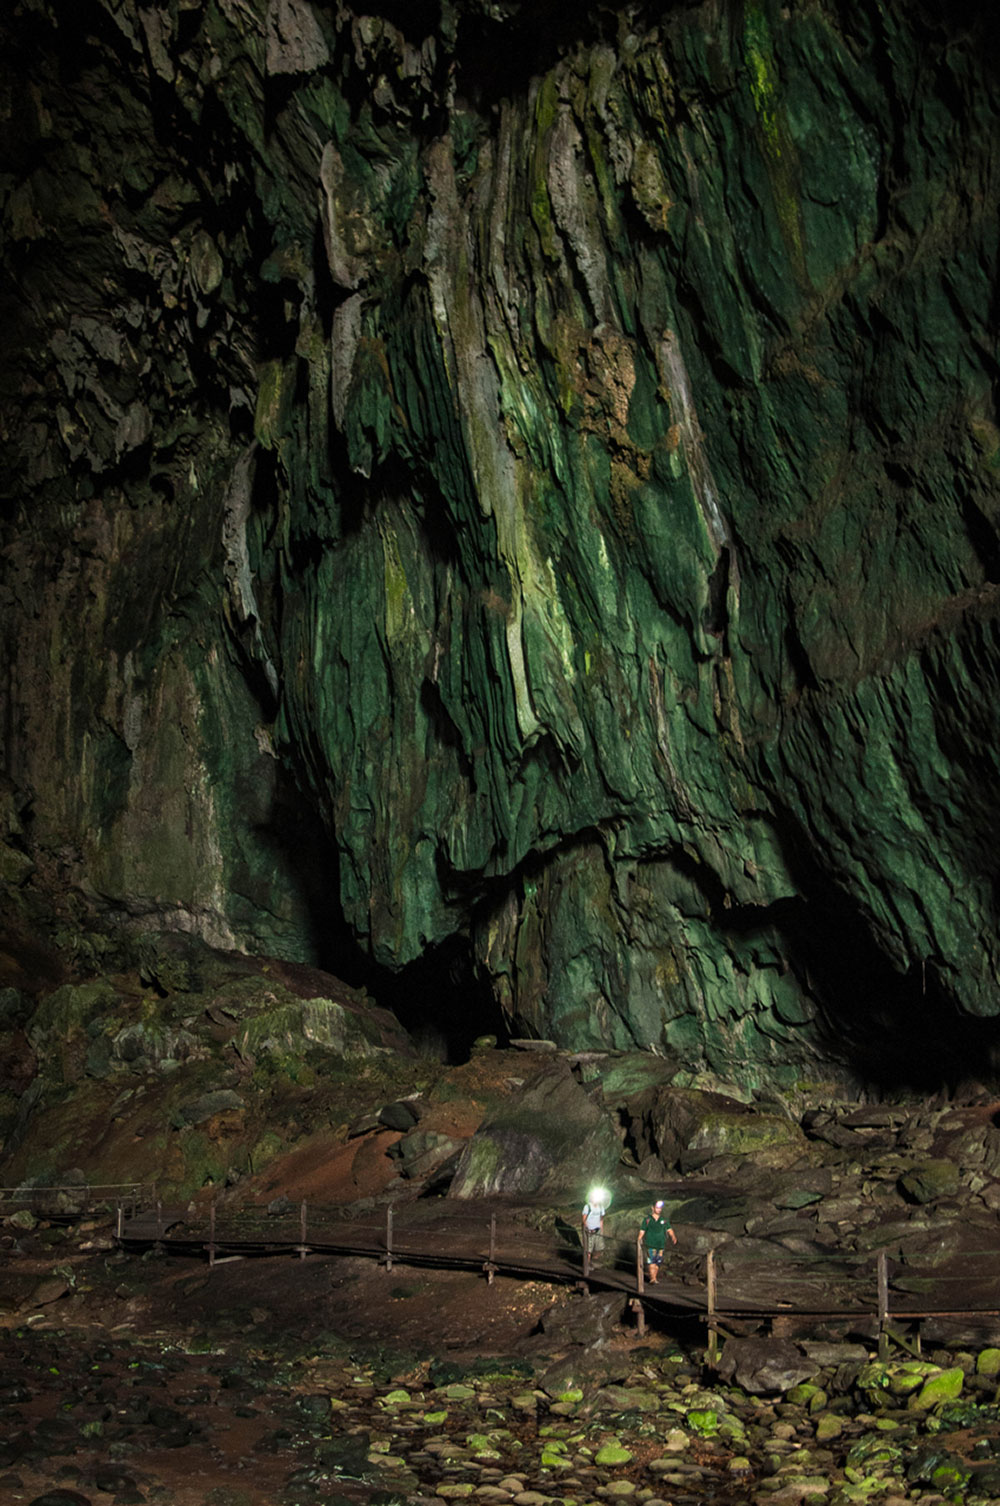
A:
(552, 456)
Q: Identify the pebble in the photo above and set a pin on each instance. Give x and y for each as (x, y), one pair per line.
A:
(471, 1442)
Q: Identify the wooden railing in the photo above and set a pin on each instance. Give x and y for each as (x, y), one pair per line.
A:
(491, 1245)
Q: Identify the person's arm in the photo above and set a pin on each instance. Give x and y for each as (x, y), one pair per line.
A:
(670, 1231)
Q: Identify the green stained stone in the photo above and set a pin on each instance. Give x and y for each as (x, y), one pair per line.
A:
(705, 1423)
(612, 1453)
(949, 1477)
(943, 1387)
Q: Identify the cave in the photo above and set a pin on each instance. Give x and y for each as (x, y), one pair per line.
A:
(500, 706)
(500, 507)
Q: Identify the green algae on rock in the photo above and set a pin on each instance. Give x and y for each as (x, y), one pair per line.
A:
(520, 480)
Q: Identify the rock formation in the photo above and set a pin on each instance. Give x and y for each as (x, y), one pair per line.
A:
(514, 482)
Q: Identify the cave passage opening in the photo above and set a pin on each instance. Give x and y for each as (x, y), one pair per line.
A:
(441, 1001)
(899, 1030)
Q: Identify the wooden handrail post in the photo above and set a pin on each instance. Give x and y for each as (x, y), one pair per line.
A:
(490, 1264)
(302, 1230)
(388, 1239)
(710, 1304)
(640, 1287)
(882, 1270)
(120, 1222)
(211, 1233)
(586, 1252)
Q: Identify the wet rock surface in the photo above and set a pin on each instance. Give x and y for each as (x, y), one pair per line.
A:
(284, 1381)
(512, 487)
(152, 1377)
(280, 1383)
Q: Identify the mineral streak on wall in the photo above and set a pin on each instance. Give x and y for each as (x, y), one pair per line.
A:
(523, 472)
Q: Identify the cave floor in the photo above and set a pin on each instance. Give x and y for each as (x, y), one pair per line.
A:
(157, 1379)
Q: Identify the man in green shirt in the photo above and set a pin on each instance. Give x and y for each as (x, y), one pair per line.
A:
(653, 1233)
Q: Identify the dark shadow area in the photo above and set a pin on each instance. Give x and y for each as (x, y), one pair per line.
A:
(440, 1000)
(983, 537)
(497, 56)
(897, 1031)
(303, 854)
(715, 618)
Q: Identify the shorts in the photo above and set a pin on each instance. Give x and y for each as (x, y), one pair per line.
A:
(654, 1257)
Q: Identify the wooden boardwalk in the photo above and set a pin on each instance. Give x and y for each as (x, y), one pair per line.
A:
(856, 1296)
(869, 1296)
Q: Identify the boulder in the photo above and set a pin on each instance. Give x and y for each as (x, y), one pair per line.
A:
(945, 1385)
(769, 1138)
(624, 1074)
(424, 1153)
(930, 1180)
(206, 1106)
(589, 1322)
(554, 1137)
(402, 1115)
(687, 1128)
(583, 1367)
(48, 1290)
(765, 1366)
(285, 1027)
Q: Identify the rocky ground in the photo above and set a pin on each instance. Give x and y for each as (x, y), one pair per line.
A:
(129, 1379)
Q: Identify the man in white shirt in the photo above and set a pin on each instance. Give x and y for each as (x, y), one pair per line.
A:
(592, 1221)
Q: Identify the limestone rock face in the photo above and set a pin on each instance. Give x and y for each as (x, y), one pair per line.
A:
(520, 475)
